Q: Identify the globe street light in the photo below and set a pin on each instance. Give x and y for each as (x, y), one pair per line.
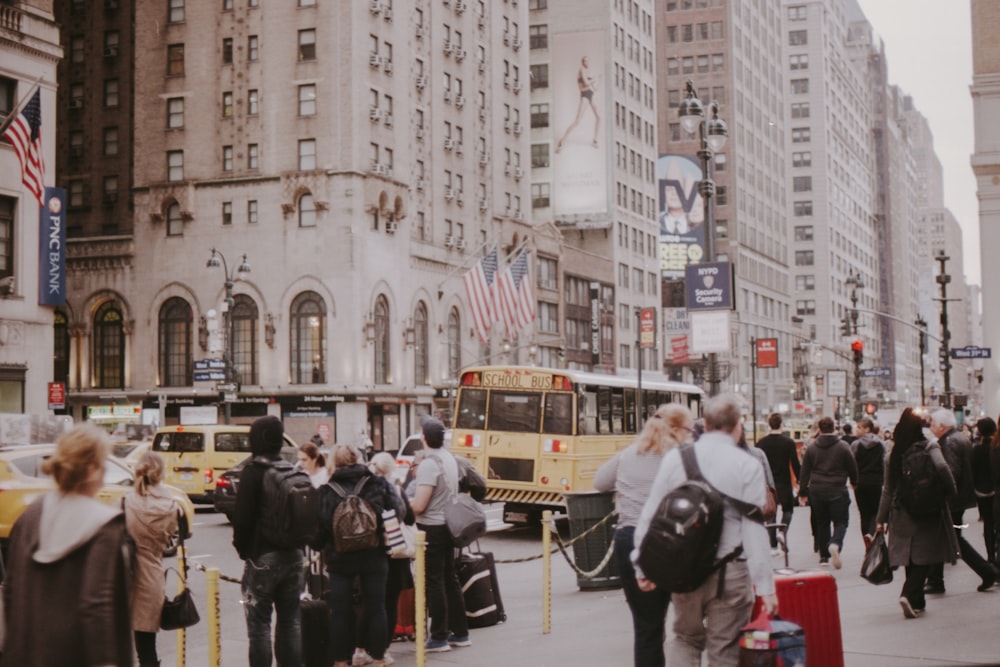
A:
(230, 386)
(712, 133)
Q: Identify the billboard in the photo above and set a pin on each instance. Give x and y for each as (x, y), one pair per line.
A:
(579, 120)
(681, 213)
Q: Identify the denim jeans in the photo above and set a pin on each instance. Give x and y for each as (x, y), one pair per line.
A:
(371, 572)
(649, 609)
(445, 604)
(274, 581)
(830, 507)
(786, 515)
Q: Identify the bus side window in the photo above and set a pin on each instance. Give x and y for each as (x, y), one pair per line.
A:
(588, 413)
(603, 410)
(617, 410)
(558, 415)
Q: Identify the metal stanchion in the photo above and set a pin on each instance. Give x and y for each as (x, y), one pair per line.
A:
(181, 584)
(547, 572)
(214, 638)
(420, 598)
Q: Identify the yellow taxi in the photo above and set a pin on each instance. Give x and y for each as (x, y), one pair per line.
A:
(197, 455)
(22, 481)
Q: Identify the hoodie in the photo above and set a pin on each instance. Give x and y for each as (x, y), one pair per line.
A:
(869, 452)
(827, 465)
(68, 521)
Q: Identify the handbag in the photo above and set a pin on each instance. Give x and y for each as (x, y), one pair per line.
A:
(770, 509)
(400, 539)
(179, 612)
(464, 517)
(875, 568)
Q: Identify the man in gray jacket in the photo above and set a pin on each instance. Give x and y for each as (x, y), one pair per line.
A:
(827, 465)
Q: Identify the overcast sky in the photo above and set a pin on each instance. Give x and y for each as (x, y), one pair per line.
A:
(929, 50)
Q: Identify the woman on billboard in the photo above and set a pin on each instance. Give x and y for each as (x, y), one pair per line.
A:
(587, 83)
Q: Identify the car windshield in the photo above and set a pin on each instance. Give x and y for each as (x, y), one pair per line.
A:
(412, 445)
(117, 474)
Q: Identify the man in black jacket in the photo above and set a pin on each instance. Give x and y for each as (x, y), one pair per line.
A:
(273, 577)
(957, 452)
(870, 453)
(783, 459)
(827, 466)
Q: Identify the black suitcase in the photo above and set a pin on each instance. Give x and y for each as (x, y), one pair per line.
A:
(317, 649)
(477, 574)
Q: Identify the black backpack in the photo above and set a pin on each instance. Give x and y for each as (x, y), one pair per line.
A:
(355, 521)
(920, 490)
(678, 551)
(290, 508)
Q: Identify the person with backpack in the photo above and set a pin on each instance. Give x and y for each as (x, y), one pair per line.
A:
(630, 474)
(352, 538)
(957, 450)
(273, 572)
(913, 510)
(715, 578)
(783, 460)
(827, 466)
(869, 454)
(983, 481)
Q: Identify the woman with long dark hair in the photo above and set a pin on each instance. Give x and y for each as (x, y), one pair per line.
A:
(915, 542)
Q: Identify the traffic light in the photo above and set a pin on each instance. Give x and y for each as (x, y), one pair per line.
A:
(858, 348)
(845, 326)
(871, 408)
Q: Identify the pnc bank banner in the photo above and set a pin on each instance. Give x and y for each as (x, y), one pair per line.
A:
(709, 286)
(52, 248)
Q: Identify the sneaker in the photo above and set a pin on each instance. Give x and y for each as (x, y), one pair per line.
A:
(388, 659)
(775, 551)
(459, 640)
(360, 658)
(987, 583)
(908, 611)
(437, 646)
(835, 556)
(824, 562)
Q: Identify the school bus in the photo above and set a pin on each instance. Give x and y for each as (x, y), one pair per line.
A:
(535, 433)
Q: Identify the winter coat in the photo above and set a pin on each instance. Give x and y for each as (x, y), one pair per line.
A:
(781, 453)
(827, 465)
(918, 540)
(151, 521)
(66, 585)
(957, 450)
(869, 452)
(981, 475)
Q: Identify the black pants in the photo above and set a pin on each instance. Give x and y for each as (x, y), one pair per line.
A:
(868, 497)
(989, 526)
(935, 577)
(445, 604)
(145, 648)
(913, 587)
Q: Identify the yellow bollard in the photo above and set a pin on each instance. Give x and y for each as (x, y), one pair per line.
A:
(214, 638)
(181, 583)
(420, 598)
(546, 572)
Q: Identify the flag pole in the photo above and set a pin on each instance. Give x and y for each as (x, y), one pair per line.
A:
(474, 257)
(20, 105)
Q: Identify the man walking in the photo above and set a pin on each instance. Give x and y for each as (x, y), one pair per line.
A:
(827, 466)
(273, 577)
(437, 484)
(784, 460)
(957, 450)
(870, 454)
(708, 619)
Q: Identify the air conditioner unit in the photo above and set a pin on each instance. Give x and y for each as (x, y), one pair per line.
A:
(421, 32)
(483, 204)
(506, 126)
(446, 2)
(449, 144)
(448, 48)
(449, 241)
(460, 6)
(391, 226)
(516, 43)
(517, 86)
(110, 51)
(460, 54)
(484, 159)
(421, 81)
(458, 198)
(460, 101)
(387, 14)
(506, 39)
(447, 95)
(460, 244)
(517, 128)
(387, 66)
(482, 113)
(518, 173)
(375, 6)
(482, 21)
(419, 185)
(388, 119)
(518, 215)
(421, 132)
(374, 60)
(506, 81)
(459, 148)
(379, 168)
(449, 194)
(508, 212)
(506, 169)
(482, 66)
(374, 114)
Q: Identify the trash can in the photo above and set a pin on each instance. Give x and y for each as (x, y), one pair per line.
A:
(584, 510)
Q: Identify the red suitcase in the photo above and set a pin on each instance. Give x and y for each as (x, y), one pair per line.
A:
(405, 615)
(810, 600)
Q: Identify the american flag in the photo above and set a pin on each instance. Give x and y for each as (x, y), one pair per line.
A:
(515, 297)
(25, 135)
(479, 288)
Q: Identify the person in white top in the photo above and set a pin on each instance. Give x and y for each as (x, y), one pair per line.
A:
(313, 463)
(704, 621)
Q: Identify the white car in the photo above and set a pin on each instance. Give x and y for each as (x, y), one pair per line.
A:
(404, 456)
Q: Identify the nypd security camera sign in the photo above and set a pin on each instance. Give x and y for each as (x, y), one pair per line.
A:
(709, 286)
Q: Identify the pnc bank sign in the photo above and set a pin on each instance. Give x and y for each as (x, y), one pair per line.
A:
(709, 286)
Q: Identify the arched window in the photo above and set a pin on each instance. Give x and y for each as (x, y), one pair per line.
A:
(60, 348)
(382, 375)
(175, 226)
(175, 343)
(244, 321)
(308, 339)
(307, 211)
(454, 344)
(109, 347)
(421, 363)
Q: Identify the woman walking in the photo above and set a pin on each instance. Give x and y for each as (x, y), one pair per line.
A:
(915, 542)
(151, 519)
(312, 461)
(630, 473)
(66, 584)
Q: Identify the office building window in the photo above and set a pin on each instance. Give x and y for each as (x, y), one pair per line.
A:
(382, 340)
(252, 102)
(540, 195)
(805, 307)
(253, 48)
(307, 44)
(805, 283)
(798, 37)
(307, 210)
(800, 110)
(175, 60)
(308, 339)
(421, 346)
(227, 104)
(110, 141)
(7, 247)
(801, 135)
(539, 155)
(227, 213)
(802, 159)
(227, 50)
(803, 232)
(307, 154)
(175, 343)
(800, 61)
(176, 11)
(108, 347)
(802, 209)
(175, 112)
(175, 165)
(802, 183)
(804, 258)
(538, 36)
(539, 115)
(227, 158)
(800, 86)
(539, 76)
(244, 321)
(76, 46)
(252, 212)
(111, 93)
(253, 156)
(307, 99)
(175, 225)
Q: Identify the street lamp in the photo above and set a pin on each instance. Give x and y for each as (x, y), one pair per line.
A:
(712, 133)
(215, 260)
(857, 347)
(922, 323)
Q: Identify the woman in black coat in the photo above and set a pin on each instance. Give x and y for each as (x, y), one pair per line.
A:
(915, 542)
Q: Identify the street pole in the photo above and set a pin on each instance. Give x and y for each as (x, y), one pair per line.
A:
(753, 386)
(920, 322)
(857, 347)
(638, 352)
(943, 279)
(229, 387)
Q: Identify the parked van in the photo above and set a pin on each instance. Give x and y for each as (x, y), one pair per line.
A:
(196, 456)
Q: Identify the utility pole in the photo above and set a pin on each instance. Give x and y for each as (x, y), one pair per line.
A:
(922, 324)
(943, 279)
(857, 345)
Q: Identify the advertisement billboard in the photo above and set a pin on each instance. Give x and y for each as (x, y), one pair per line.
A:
(681, 213)
(580, 102)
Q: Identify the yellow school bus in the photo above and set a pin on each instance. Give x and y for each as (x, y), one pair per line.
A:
(535, 433)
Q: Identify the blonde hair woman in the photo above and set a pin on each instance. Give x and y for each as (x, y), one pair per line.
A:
(65, 590)
(630, 473)
(151, 518)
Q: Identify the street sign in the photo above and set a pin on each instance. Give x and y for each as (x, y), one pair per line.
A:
(210, 365)
(767, 352)
(971, 352)
(709, 286)
(877, 372)
(836, 383)
(647, 327)
(57, 396)
(209, 376)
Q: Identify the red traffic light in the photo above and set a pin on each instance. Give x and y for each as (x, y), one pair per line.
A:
(870, 408)
(858, 346)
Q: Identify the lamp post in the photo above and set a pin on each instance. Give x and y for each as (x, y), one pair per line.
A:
(922, 324)
(712, 133)
(857, 346)
(230, 386)
(943, 279)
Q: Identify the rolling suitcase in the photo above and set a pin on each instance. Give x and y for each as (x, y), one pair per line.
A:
(477, 575)
(405, 615)
(314, 612)
(810, 600)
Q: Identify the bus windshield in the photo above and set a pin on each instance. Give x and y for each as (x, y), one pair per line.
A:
(514, 411)
(471, 409)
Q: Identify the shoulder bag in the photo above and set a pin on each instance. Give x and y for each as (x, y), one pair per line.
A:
(464, 516)
(179, 612)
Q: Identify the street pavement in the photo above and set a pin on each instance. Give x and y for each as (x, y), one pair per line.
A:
(593, 627)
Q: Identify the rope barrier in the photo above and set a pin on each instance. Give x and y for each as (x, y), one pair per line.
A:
(223, 577)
